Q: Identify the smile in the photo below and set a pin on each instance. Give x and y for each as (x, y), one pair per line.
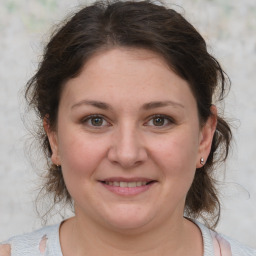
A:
(127, 188)
(124, 184)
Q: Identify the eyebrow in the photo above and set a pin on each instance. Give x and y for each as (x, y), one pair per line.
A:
(159, 104)
(146, 106)
(97, 104)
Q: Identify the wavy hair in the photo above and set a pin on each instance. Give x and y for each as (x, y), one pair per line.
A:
(133, 24)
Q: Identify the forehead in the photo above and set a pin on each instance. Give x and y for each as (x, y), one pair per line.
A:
(127, 75)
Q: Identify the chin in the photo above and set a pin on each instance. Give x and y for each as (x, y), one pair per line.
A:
(129, 220)
(128, 227)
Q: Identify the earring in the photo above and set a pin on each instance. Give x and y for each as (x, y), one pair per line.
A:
(202, 161)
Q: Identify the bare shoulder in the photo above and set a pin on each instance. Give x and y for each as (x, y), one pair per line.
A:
(5, 250)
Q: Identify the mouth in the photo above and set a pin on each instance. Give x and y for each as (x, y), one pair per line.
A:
(129, 184)
(128, 187)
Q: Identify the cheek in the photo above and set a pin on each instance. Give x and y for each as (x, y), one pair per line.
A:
(80, 154)
(80, 158)
(177, 155)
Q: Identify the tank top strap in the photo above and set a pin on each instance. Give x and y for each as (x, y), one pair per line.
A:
(221, 245)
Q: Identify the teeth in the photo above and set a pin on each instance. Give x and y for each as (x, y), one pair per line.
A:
(123, 184)
(116, 184)
(132, 184)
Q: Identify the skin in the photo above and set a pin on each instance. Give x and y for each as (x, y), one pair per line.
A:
(126, 139)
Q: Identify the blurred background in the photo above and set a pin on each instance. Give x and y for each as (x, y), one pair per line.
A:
(229, 28)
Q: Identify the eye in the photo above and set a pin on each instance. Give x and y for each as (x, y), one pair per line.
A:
(160, 121)
(95, 121)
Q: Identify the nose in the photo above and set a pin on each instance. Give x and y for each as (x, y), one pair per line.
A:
(127, 148)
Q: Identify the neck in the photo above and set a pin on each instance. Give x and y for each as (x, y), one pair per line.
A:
(168, 239)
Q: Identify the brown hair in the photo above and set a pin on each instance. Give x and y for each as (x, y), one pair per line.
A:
(132, 24)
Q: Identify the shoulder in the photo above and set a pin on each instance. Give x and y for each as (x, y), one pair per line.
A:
(214, 243)
(237, 248)
(44, 241)
(5, 250)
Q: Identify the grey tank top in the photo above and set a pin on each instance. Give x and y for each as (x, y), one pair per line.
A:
(42, 242)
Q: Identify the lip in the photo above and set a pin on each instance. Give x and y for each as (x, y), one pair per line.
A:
(128, 191)
(124, 179)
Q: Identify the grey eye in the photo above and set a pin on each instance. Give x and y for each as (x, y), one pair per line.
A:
(158, 121)
(97, 121)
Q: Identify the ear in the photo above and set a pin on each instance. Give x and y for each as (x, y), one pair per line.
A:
(206, 136)
(52, 137)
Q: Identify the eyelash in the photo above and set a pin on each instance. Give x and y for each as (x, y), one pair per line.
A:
(166, 118)
(151, 118)
(90, 117)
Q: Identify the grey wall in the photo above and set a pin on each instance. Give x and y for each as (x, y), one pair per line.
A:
(230, 30)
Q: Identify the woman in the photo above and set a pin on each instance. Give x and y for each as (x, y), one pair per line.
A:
(125, 97)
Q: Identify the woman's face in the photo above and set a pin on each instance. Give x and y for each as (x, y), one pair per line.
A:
(128, 140)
